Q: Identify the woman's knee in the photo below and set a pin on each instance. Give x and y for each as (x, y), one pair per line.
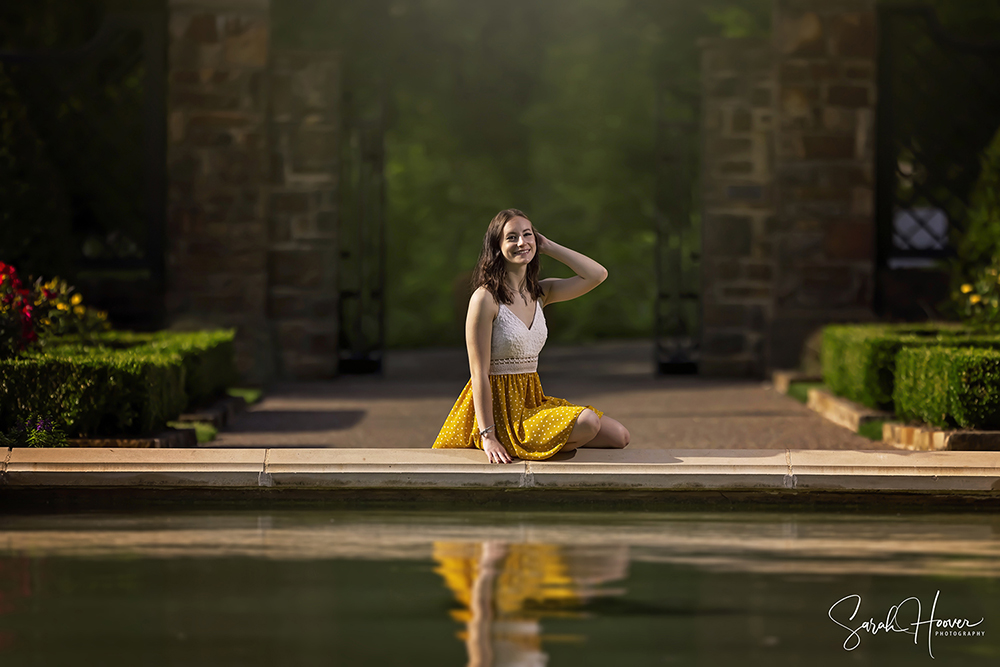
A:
(587, 424)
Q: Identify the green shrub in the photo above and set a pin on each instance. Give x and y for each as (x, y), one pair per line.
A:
(948, 386)
(859, 361)
(207, 356)
(121, 383)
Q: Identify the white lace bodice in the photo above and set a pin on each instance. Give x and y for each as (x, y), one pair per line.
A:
(514, 347)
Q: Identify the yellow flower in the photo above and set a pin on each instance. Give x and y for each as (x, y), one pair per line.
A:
(101, 315)
(79, 310)
(975, 298)
(46, 321)
(76, 299)
(62, 306)
(966, 288)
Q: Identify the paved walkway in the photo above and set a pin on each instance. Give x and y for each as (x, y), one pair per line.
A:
(406, 407)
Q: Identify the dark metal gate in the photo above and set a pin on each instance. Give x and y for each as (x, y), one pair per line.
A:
(362, 241)
(677, 325)
(99, 111)
(938, 112)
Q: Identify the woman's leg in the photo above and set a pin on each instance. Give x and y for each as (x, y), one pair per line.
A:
(612, 435)
(588, 425)
(593, 431)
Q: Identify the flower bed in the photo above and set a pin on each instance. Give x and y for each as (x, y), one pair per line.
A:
(64, 372)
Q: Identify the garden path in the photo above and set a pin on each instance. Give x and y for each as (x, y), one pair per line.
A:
(406, 407)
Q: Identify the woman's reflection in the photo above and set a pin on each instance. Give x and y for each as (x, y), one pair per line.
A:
(505, 589)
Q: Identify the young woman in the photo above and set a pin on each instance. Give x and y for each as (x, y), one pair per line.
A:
(502, 409)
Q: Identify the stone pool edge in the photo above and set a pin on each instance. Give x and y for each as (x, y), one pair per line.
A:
(765, 472)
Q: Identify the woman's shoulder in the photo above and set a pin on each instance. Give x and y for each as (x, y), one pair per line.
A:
(482, 299)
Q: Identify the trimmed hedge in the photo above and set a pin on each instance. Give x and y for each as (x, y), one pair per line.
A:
(948, 387)
(116, 383)
(859, 361)
(207, 356)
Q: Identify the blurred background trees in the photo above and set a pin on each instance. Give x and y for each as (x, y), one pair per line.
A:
(548, 107)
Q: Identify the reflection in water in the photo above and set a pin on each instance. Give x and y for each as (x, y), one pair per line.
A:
(586, 589)
(506, 589)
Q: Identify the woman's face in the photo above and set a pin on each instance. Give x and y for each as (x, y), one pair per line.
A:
(518, 241)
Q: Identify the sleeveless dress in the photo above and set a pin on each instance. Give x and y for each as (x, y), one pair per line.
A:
(529, 424)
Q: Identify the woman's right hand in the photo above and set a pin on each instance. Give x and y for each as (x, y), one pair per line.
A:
(495, 452)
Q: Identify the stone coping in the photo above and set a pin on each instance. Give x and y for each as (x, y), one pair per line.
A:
(630, 470)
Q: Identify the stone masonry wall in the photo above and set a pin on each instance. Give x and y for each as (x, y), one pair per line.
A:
(823, 232)
(738, 265)
(217, 237)
(302, 261)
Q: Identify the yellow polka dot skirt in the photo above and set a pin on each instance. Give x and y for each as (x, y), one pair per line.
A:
(529, 424)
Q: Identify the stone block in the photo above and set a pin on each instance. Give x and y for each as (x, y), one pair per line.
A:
(761, 97)
(849, 96)
(248, 47)
(736, 168)
(740, 293)
(862, 202)
(217, 119)
(840, 121)
(741, 121)
(758, 272)
(799, 100)
(290, 202)
(794, 73)
(801, 35)
(291, 335)
(853, 34)
(202, 28)
(323, 344)
(723, 344)
(296, 268)
(314, 149)
(860, 71)
(108, 466)
(828, 147)
(727, 235)
(851, 240)
(326, 222)
(725, 147)
(823, 71)
(716, 315)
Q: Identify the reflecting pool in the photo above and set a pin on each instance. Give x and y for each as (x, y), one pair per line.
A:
(307, 587)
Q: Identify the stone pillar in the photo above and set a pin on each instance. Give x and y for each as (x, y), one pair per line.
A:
(824, 230)
(738, 265)
(302, 285)
(217, 157)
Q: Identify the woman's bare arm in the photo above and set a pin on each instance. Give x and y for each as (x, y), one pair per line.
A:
(589, 274)
(478, 338)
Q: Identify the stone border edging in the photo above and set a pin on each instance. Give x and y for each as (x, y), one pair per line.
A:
(842, 411)
(638, 470)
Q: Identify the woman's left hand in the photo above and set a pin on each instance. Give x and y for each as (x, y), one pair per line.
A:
(542, 244)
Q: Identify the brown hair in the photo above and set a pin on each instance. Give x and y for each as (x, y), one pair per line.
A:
(491, 267)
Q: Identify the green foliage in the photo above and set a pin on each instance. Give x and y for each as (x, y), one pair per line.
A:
(34, 432)
(550, 107)
(978, 302)
(871, 429)
(116, 382)
(975, 269)
(859, 361)
(800, 390)
(948, 387)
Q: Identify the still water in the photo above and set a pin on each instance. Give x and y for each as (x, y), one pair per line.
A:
(306, 587)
